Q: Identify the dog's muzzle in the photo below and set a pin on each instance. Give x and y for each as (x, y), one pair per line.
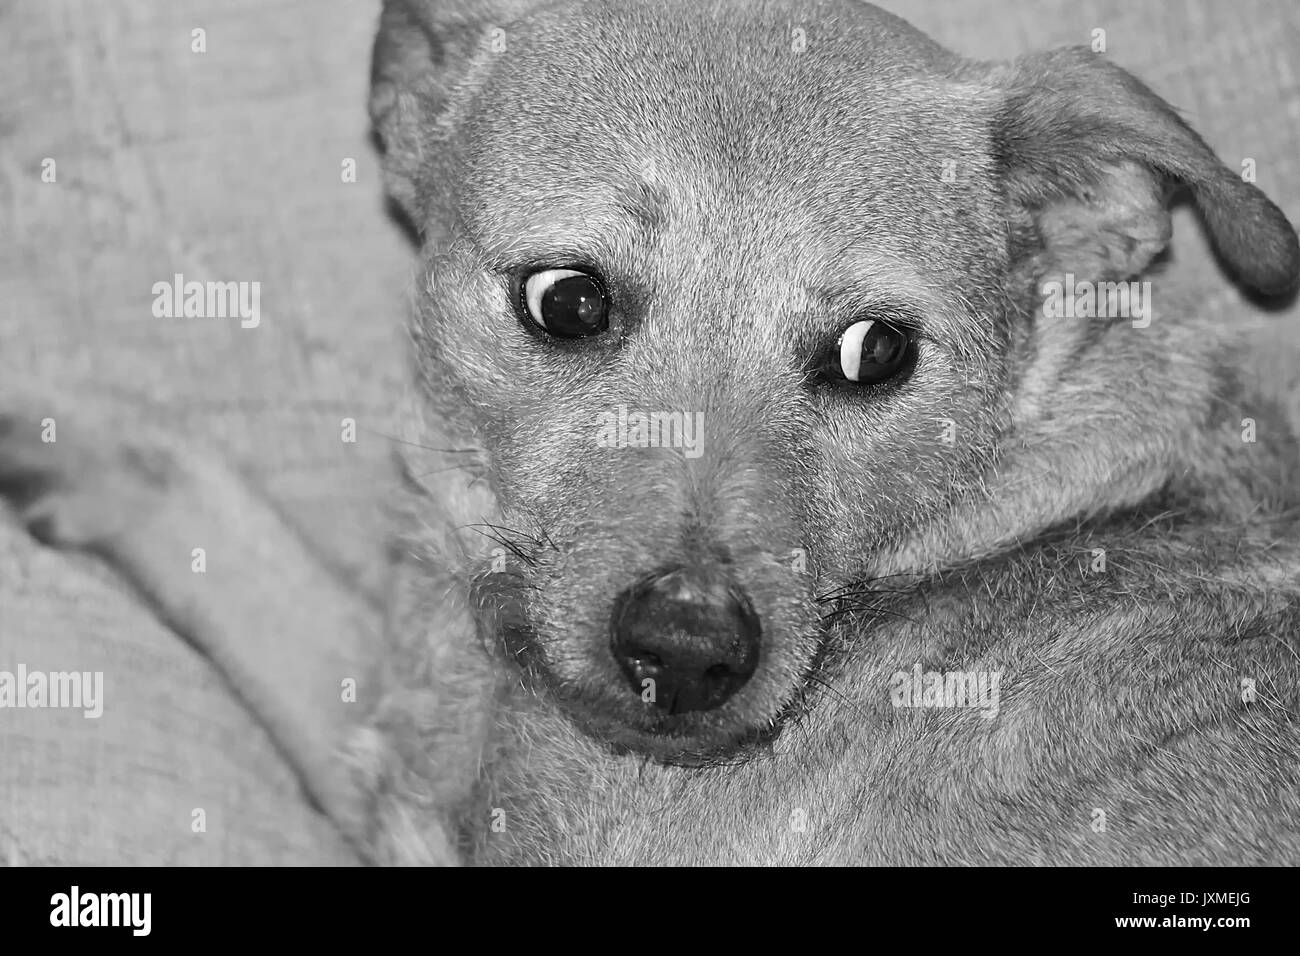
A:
(685, 640)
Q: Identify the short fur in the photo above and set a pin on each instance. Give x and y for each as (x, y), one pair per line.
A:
(745, 201)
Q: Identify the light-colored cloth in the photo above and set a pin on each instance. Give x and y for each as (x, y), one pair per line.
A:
(227, 165)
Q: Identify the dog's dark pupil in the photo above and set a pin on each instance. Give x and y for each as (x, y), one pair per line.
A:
(883, 351)
(574, 306)
(882, 347)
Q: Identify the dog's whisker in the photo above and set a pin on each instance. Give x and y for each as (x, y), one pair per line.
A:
(866, 584)
(511, 546)
(415, 444)
(504, 529)
(838, 695)
(873, 610)
(468, 467)
(862, 592)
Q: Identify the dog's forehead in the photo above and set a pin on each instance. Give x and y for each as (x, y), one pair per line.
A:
(731, 112)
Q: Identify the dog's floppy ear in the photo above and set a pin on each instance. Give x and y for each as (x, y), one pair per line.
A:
(1089, 153)
(422, 50)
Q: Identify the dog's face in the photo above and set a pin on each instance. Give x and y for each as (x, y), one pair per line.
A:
(742, 310)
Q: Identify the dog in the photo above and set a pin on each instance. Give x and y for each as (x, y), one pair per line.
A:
(760, 506)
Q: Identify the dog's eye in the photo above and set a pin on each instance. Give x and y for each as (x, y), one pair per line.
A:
(867, 353)
(566, 303)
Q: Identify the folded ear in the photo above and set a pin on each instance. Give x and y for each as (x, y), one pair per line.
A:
(1089, 156)
(423, 49)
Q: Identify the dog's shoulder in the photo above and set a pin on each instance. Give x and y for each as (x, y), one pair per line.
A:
(1126, 695)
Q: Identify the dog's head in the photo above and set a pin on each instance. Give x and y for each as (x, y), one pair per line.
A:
(745, 301)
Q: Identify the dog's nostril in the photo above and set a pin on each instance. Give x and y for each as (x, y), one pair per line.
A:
(685, 642)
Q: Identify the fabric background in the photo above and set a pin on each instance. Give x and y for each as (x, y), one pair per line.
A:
(226, 166)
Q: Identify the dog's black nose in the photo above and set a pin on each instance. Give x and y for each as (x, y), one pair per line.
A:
(696, 639)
